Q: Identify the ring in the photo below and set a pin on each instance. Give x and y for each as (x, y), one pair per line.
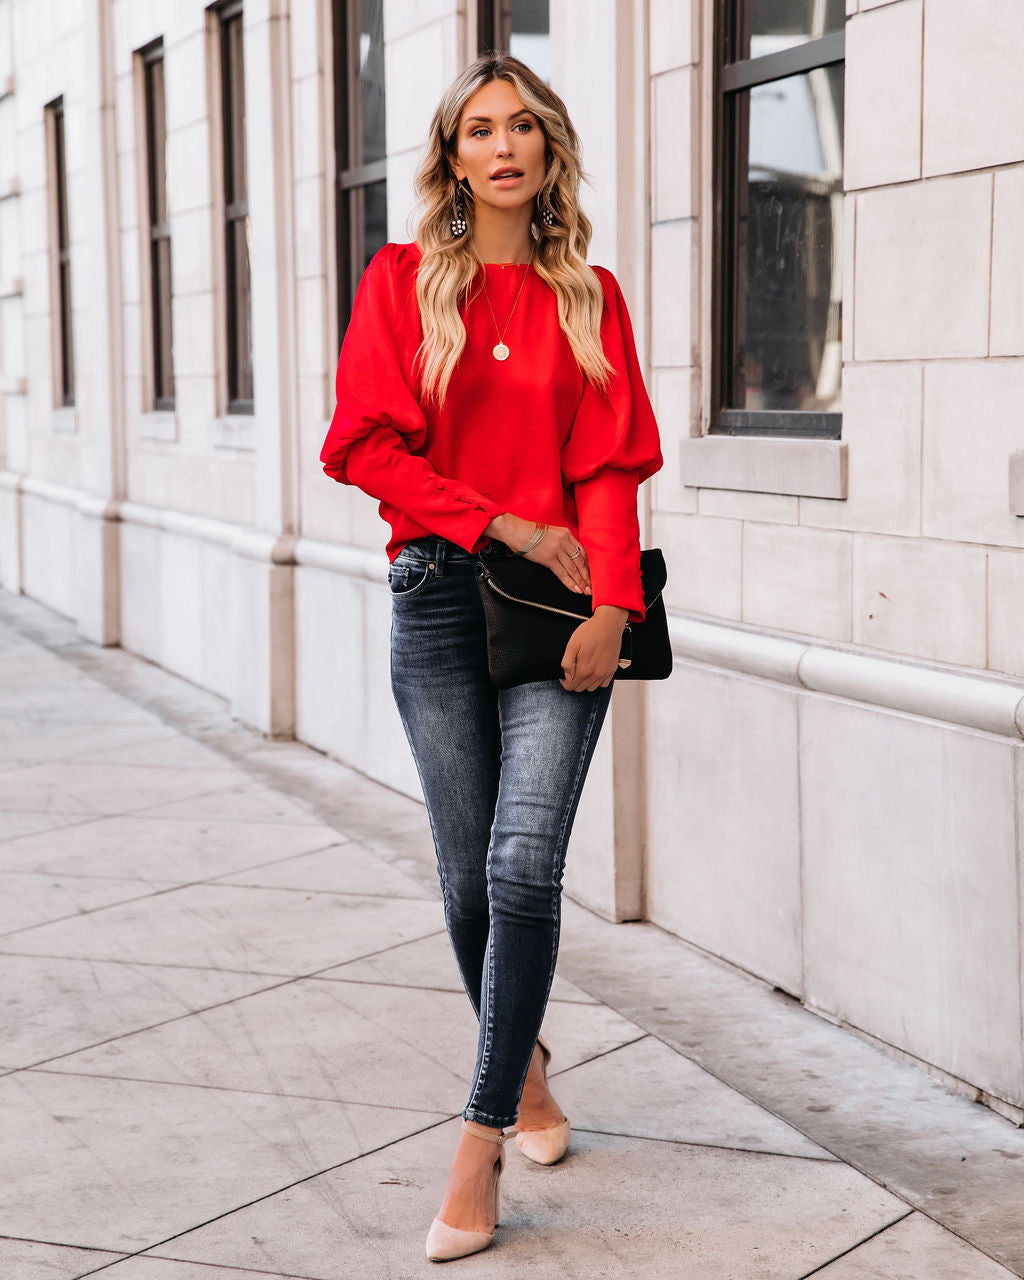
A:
(575, 553)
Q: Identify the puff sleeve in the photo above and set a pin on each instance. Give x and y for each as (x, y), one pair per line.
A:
(378, 427)
(612, 448)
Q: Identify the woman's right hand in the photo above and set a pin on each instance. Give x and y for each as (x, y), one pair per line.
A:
(558, 549)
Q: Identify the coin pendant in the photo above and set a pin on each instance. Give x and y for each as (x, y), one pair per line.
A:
(500, 352)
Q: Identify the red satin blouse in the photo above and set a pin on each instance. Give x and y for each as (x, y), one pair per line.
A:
(528, 435)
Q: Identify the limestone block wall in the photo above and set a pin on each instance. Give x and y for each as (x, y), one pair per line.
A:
(847, 829)
(919, 556)
(190, 459)
(844, 839)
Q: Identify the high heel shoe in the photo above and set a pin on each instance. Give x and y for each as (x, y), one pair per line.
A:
(548, 1145)
(445, 1242)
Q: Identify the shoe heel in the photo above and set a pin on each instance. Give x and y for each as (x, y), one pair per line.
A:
(545, 1146)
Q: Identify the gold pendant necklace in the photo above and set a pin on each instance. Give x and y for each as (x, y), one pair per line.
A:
(500, 351)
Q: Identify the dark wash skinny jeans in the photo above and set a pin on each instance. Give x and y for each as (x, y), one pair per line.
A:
(502, 772)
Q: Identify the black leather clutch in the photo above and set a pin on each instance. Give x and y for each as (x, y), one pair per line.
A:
(531, 615)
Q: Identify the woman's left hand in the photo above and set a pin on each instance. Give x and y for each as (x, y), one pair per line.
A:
(591, 657)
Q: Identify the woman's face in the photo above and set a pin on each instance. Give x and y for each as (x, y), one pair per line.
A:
(497, 133)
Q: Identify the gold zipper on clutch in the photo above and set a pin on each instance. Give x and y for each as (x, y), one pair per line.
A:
(533, 604)
(550, 608)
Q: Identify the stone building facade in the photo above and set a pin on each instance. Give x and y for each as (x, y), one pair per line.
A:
(816, 213)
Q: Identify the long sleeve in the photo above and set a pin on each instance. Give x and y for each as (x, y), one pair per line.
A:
(613, 447)
(378, 427)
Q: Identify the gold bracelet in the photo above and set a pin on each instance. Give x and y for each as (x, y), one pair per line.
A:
(539, 530)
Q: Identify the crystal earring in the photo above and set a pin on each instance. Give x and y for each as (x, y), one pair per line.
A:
(458, 223)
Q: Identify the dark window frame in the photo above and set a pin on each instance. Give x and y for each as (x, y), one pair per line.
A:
(62, 258)
(351, 179)
(493, 26)
(734, 76)
(159, 230)
(237, 262)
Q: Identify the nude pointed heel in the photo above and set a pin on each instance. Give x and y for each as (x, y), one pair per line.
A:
(545, 1146)
(444, 1242)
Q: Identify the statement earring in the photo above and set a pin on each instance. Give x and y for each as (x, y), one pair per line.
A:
(546, 215)
(458, 223)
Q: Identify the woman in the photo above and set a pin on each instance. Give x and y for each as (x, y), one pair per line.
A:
(489, 395)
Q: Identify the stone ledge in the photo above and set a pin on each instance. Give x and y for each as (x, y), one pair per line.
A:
(353, 562)
(64, 420)
(764, 464)
(990, 704)
(235, 431)
(158, 424)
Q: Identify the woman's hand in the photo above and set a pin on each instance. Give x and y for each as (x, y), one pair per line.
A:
(558, 549)
(591, 657)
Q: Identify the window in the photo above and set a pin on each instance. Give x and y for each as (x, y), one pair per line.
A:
(237, 236)
(779, 215)
(62, 261)
(519, 27)
(162, 354)
(360, 163)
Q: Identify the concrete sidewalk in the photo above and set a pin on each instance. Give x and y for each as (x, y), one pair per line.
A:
(235, 1044)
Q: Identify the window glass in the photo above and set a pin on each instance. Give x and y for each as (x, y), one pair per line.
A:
(162, 353)
(360, 141)
(157, 139)
(238, 234)
(59, 179)
(371, 81)
(780, 24)
(786, 340)
(530, 35)
(372, 211)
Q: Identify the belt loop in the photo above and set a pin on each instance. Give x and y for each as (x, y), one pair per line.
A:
(439, 558)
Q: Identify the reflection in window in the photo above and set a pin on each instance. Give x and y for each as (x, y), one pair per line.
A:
(238, 235)
(519, 27)
(361, 142)
(62, 258)
(780, 268)
(791, 209)
(780, 24)
(162, 347)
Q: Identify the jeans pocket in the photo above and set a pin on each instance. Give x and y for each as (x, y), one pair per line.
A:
(408, 578)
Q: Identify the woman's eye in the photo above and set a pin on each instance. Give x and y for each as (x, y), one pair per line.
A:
(521, 124)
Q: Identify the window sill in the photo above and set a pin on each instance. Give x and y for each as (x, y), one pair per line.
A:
(235, 431)
(158, 424)
(760, 464)
(64, 421)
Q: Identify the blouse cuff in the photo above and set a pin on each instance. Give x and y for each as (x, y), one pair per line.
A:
(610, 530)
(466, 528)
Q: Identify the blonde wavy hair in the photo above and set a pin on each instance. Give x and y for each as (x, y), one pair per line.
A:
(450, 264)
